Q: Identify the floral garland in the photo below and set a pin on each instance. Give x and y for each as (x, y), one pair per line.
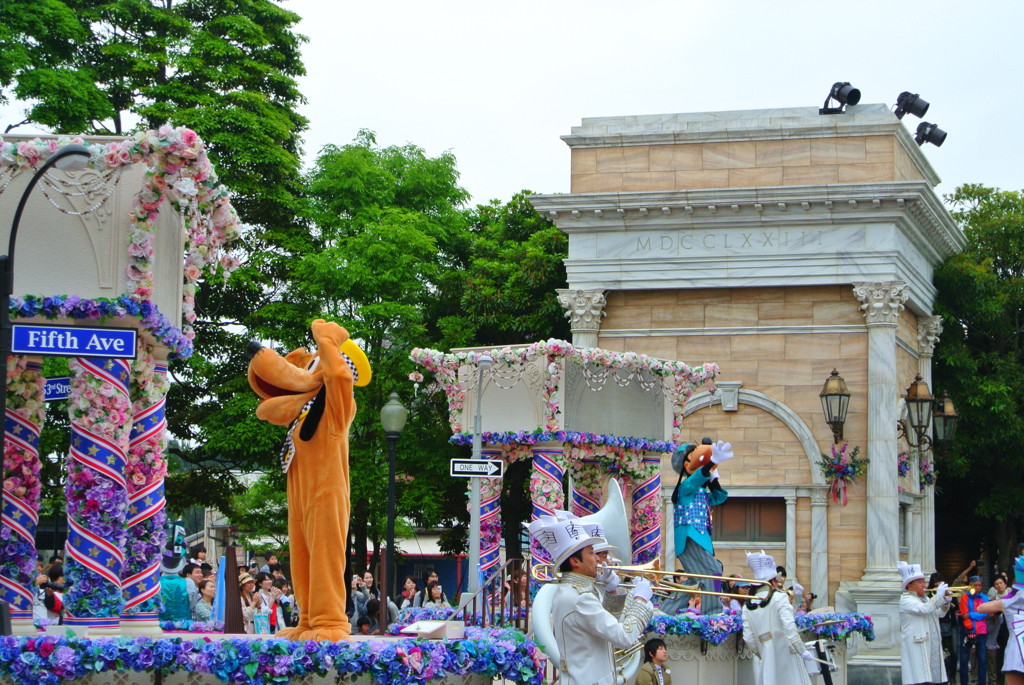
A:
(179, 169)
(587, 485)
(840, 468)
(903, 463)
(94, 501)
(836, 626)
(21, 468)
(446, 366)
(192, 626)
(716, 628)
(100, 310)
(497, 653)
(928, 472)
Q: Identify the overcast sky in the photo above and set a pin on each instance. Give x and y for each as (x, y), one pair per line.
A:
(499, 83)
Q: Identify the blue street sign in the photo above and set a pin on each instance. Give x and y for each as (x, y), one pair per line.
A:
(73, 341)
(57, 389)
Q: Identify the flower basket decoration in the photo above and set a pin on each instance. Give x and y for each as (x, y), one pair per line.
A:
(928, 474)
(903, 463)
(840, 468)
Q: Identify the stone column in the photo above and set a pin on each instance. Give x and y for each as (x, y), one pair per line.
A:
(584, 309)
(819, 546)
(881, 304)
(791, 536)
(929, 328)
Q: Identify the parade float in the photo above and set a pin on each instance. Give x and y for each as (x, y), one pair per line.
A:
(597, 425)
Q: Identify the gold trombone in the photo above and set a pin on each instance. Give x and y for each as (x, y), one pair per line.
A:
(546, 573)
(955, 590)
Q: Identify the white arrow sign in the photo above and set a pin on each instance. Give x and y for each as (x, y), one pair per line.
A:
(477, 468)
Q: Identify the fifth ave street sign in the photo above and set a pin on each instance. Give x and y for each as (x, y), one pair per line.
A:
(476, 468)
(73, 341)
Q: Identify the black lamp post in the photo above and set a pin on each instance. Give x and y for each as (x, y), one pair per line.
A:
(392, 419)
(69, 158)
(835, 400)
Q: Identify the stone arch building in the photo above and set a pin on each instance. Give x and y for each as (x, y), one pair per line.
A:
(780, 244)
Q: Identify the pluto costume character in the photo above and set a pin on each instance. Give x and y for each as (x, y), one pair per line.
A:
(312, 393)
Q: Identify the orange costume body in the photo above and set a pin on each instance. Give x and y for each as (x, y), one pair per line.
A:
(313, 394)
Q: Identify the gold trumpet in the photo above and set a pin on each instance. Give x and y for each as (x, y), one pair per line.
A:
(954, 590)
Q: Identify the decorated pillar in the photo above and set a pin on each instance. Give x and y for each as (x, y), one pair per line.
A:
(490, 519)
(584, 309)
(545, 490)
(645, 523)
(587, 487)
(97, 499)
(146, 467)
(929, 328)
(21, 493)
(881, 304)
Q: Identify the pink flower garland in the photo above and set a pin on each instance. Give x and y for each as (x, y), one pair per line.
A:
(179, 170)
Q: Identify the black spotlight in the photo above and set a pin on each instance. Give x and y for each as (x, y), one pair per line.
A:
(930, 133)
(843, 93)
(910, 103)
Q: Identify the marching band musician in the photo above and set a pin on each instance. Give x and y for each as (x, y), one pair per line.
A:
(921, 640)
(1012, 607)
(770, 632)
(586, 633)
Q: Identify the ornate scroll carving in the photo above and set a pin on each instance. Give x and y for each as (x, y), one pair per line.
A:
(583, 308)
(881, 303)
(929, 328)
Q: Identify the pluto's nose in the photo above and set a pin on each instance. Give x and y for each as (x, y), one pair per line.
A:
(252, 348)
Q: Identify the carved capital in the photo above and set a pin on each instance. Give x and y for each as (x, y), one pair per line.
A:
(583, 308)
(881, 303)
(929, 328)
(819, 497)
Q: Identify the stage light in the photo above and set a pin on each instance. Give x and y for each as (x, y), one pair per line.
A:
(910, 103)
(929, 133)
(843, 93)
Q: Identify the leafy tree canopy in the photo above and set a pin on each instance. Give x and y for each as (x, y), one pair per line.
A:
(980, 358)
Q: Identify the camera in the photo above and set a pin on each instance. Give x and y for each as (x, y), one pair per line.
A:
(56, 587)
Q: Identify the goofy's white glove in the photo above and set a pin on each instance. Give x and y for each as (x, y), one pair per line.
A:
(608, 578)
(721, 451)
(642, 589)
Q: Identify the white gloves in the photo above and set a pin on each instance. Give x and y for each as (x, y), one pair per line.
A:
(721, 451)
(942, 590)
(608, 578)
(807, 656)
(714, 473)
(642, 589)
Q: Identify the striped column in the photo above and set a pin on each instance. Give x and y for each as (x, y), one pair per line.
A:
(145, 535)
(490, 520)
(545, 490)
(645, 523)
(96, 491)
(19, 512)
(586, 499)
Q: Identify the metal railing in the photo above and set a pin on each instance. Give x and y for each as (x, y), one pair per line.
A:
(496, 602)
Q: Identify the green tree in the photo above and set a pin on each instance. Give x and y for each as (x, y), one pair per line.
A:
(227, 69)
(980, 358)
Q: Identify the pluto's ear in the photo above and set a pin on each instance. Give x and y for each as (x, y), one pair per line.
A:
(316, 412)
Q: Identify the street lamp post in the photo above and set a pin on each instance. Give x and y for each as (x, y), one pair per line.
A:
(68, 158)
(392, 418)
(473, 579)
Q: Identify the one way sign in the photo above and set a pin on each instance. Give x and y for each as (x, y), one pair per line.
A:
(477, 468)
